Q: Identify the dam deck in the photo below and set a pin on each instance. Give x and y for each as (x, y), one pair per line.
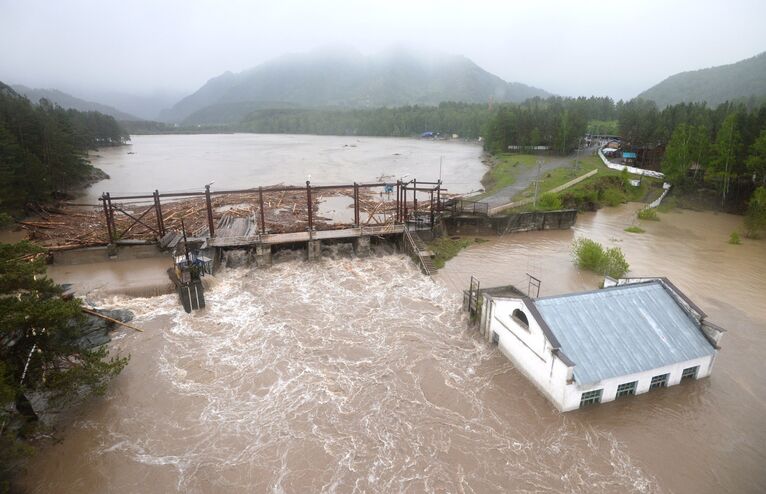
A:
(306, 236)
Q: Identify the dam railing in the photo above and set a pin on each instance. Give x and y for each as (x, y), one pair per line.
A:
(377, 206)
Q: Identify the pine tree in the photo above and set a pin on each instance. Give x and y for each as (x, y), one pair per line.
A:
(40, 349)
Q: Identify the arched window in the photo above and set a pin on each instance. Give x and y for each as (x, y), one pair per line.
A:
(521, 318)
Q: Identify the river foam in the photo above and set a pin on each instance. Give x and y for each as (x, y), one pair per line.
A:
(344, 376)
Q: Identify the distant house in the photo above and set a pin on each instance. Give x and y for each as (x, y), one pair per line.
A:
(695, 171)
(628, 158)
(593, 347)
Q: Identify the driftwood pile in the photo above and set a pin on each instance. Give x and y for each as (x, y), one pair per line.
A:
(69, 226)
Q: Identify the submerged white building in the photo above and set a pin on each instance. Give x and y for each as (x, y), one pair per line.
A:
(632, 336)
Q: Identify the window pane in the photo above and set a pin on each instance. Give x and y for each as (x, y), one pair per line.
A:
(591, 397)
(659, 381)
(627, 389)
(690, 373)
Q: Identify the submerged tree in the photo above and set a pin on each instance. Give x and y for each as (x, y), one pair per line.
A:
(591, 255)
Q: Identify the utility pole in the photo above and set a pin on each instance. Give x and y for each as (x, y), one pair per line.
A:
(537, 182)
(577, 156)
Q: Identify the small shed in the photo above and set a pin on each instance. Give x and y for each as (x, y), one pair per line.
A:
(579, 349)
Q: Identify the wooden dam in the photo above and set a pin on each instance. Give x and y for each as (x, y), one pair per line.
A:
(259, 219)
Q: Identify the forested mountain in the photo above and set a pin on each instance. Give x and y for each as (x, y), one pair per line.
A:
(43, 148)
(743, 80)
(68, 101)
(346, 79)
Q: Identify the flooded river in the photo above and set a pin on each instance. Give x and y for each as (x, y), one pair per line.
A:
(176, 163)
(360, 376)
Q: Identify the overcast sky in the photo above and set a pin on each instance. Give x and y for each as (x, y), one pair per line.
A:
(566, 47)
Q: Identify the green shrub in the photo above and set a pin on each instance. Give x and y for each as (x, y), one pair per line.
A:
(588, 253)
(625, 177)
(634, 229)
(591, 255)
(612, 197)
(614, 263)
(549, 202)
(734, 238)
(648, 214)
(5, 220)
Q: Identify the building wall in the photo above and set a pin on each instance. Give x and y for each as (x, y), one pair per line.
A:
(574, 391)
(531, 352)
(528, 349)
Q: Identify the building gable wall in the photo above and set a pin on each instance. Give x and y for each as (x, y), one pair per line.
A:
(527, 348)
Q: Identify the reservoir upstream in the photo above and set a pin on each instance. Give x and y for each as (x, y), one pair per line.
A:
(182, 163)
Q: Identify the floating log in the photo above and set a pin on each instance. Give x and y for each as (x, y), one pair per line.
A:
(97, 314)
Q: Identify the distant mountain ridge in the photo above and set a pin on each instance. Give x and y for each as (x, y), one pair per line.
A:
(68, 101)
(715, 85)
(346, 79)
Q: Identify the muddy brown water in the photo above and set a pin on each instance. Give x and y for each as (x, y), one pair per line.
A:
(182, 163)
(360, 376)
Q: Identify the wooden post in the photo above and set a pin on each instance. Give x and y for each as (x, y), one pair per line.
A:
(398, 201)
(210, 226)
(415, 199)
(110, 218)
(439, 196)
(158, 213)
(310, 204)
(404, 202)
(432, 209)
(356, 205)
(263, 214)
(110, 237)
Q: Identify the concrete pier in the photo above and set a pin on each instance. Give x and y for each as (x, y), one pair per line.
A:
(314, 248)
(262, 254)
(362, 246)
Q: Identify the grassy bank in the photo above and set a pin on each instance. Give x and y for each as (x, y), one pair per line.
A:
(445, 248)
(606, 188)
(560, 176)
(504, 169)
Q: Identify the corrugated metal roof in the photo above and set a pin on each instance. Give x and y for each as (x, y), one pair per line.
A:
(622, 330)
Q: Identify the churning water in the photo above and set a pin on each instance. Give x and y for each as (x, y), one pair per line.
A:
(360, 376)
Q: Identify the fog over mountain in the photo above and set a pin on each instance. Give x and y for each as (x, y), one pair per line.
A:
(341, 77)
(567, 48)
(737, 81)
(68, 101)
